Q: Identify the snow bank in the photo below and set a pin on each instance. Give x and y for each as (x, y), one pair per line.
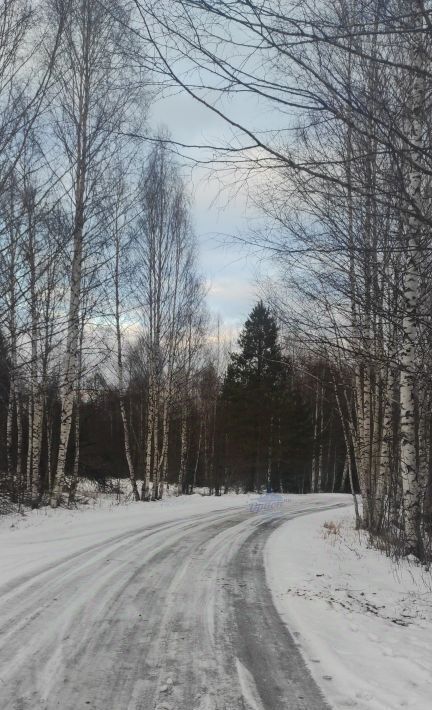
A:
(363, 623)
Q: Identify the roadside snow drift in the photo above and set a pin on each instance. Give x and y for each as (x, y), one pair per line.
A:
(363, 623)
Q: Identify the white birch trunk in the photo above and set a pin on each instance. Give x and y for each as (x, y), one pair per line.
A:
(198, 454)
(386, 441)
(20, 442)
(314, 472)
(162, 467)
(75, 468)
(12, 409)
(362, 404)
(351, 441)
(145, 494)
(67, 390)
(156, 457)
(345, 470)
(321, 442)
(424, 445)
(49, 445)
(82, 74)
(29, 457)
(120, 369)
(37, 424)
(183, 448)
(11, 414)
(408, 454)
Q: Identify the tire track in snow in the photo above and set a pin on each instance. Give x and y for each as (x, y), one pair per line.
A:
(156, 619)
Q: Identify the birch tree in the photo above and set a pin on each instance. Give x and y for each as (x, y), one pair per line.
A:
(94, 96)
(412, 493)
(165, 248)
(120, 239)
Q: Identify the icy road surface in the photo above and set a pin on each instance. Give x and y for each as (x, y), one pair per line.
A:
(172, 616)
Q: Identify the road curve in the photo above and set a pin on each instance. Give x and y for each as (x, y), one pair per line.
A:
(173, 617)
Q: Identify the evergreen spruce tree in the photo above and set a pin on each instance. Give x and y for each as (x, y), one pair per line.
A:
(259, 361)
(252, 389)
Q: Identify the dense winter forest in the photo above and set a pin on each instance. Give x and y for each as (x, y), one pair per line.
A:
(111, 366)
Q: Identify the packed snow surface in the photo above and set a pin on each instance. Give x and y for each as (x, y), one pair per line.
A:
(363, 622)
(33, 538)
(83, 589)
(158, 606)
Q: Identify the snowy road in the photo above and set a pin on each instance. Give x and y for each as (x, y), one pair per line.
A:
(177, 616)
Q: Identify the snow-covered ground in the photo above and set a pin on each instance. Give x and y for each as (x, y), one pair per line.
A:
(30, 539)
(36, 537)
(148, 607)
(363, 623)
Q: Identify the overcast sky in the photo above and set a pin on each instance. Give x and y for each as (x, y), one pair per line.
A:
(230, 271)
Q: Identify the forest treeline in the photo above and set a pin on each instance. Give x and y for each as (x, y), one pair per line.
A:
(265, 423)
(107, 366)
(98, 257)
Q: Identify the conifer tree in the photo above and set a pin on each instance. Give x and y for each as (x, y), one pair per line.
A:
(251, 393)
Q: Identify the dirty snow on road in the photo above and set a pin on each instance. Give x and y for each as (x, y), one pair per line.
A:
(364, 623)
(148, 607)
(33, 538)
